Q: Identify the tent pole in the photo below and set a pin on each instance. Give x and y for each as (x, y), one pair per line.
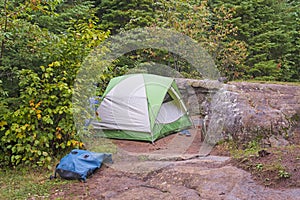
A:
(181, 102)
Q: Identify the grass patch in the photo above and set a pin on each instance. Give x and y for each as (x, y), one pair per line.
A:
(34, 183)
(25, 183)
(276, 167)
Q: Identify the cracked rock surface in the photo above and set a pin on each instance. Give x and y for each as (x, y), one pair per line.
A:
(209, 177)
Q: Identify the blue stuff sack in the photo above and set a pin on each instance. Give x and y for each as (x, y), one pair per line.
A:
(80, 164)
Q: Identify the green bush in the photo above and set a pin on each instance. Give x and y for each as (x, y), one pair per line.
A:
(42, 124)
(37, 117)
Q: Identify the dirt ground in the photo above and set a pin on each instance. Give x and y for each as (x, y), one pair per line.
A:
(277, 168)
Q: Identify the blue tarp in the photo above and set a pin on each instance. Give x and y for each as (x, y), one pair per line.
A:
(79, 164)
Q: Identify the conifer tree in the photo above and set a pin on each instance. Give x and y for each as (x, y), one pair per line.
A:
(117, 15)
(267, 29)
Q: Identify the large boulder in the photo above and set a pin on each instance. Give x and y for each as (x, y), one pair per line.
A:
(243, 110)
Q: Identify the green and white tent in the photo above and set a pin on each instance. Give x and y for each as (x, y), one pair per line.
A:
(141, 107)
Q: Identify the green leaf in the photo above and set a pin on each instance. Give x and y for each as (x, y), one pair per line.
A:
(45, 153)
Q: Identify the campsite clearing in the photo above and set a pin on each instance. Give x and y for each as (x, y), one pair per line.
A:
(137, 175)
(212, 177)
(197, 178)
(145, 171)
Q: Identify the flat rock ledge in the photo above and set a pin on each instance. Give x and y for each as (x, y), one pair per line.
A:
(248, 110)
(210, 178)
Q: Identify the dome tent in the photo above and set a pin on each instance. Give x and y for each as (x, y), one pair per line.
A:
(141, 107)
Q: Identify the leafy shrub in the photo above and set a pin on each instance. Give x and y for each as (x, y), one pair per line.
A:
(42, 125)
(37, 122)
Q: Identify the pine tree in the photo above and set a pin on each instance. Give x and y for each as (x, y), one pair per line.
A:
(117, 15)
(211, 27)
(265, 26)
(292, 59)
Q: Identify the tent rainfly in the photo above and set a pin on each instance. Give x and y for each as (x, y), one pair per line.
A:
(141, 107)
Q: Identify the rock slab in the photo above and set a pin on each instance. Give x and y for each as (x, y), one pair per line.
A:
(206, 178)
(244, 110)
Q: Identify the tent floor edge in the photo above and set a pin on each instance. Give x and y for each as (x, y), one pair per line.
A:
(126, 135)
(182, 123)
